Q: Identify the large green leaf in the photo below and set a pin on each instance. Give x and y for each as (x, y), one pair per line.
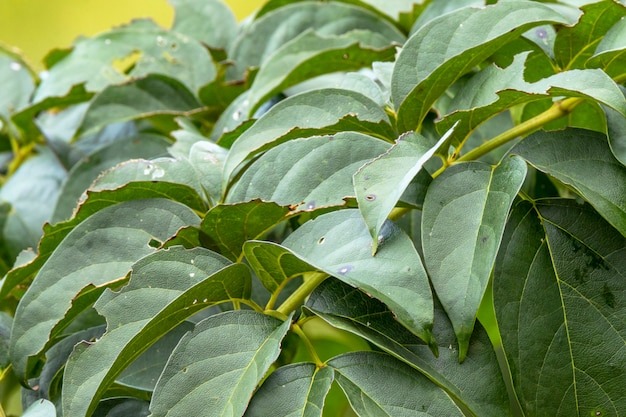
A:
(559, 288)
(210, 22)
(310, 54)
(379, 385)
(484, 394)
(610, 55)
(97, 253)
(465, 211)
(294, 390)
(252, 48)
(130, 51)
(446, 48)
(574, 45)
(5, 329)
(494, 90)
(18, 83)
(229, 226)
(155, 96)
(380, 183)
(215, 369)
(310, 172)
(319, 111)
(582, 160)
(339, 244)
(165, 288)
(83, 174)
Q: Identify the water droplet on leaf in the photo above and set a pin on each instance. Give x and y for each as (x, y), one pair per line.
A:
(345, 269)
(16, 66)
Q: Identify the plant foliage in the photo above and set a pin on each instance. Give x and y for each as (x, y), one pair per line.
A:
(348, 207)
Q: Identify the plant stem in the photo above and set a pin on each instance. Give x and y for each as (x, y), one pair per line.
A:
(309, 346)
(558, 110)
(299, 295)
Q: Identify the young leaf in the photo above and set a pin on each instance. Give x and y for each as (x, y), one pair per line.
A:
(339, 244)
(251, 48)
(273, 264)
(349, 309)
(582, 160)
(150, 97)
(95, 254)
(448, 47)
(284, 174)
(229, 354)
(18, 82)
(576, 44)
(165, 288)
(294, 390)
(559, 286)
(309, 110)
(127, 52)
(311, 54)
(227, 227)
(464, 214)
(210, 22)
(380, 183)
(379, 385)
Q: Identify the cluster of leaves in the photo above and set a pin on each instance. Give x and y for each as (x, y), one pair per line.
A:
(423, 204)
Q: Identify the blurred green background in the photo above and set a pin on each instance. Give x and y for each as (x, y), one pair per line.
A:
(37, 26)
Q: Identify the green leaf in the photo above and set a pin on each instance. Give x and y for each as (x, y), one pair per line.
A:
(251, 48)
(309, 110)
(494, 90)
(122, 407)
(155, 96)
(559, 288)
(380, 183)
(210, 22)
(610, 55)
(294, 390)
(616, 132)
(349, 309)
(6, 321)
(464, 215)
(576, 44)
(97, 253)
(377, 384)
(18, 83)
(227, 354)
(310, 54)
(273, 264)
(40, 408)
(83, 174)
(165, 288)
(208, 159)
(582, 160)
(229, 226)
(338, 243)
(169, 178)
(446, 48)
(310, 172)
(135, 50)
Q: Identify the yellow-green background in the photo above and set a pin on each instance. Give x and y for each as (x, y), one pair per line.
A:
(36, 26)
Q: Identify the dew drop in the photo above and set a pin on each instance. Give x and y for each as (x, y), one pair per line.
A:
(542, 33)
(310, 205)
(195, 302)
(205, 300)
(193, 261)
(345, 269)
(237, 115)
(160, 40)
(158, 173)
(107, 41)
(192, 274)
(16, 66)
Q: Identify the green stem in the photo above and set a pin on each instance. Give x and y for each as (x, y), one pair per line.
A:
(558, 110)
(299, 295)
(307, 342)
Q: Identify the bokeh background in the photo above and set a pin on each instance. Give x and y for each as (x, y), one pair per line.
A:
(37, 26)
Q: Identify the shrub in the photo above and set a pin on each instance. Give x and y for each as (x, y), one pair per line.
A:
(238, 218)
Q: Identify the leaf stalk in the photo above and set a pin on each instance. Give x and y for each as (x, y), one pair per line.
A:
(301, 293)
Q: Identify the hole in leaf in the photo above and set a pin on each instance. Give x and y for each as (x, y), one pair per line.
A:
(370, 197)
(321, 240)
